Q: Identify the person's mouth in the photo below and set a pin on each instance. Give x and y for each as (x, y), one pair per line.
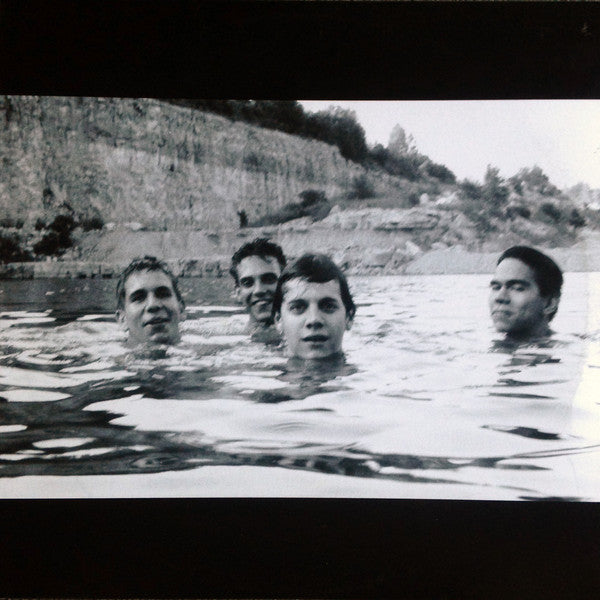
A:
(156, 321)
(263, 303)
(315, 338)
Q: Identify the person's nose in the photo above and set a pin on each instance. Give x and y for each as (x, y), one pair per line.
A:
(501, 295)
(153, 303)
(314, 317)
(259, 287)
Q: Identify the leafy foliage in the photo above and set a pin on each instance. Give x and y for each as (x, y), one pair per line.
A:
(533, 180)
(361, 188)
(310, 197)
(313, 204)
(552, 212)
(58, 238)
(441, 172)
(7, 222)
(335, 126)
(517, 211)
(94, 223)
(11, 251)
(576, 219)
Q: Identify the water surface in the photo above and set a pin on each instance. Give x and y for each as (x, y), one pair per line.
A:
(426, 404)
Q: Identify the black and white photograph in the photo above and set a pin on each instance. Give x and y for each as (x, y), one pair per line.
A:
(330, 299)
(299, 299)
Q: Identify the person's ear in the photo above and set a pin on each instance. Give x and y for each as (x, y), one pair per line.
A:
(277, 321)
(349, 321)
(237, 294)
(121, 319)
(551, 306)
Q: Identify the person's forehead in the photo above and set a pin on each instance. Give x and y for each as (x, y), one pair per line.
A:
(147, 280)
(295, 289)
(257, 265)
(513, 268)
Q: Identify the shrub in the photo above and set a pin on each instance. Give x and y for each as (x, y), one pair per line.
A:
(441, 172)
(471, 190)
(9, 223)
(11, 251)
(517, 211)
(62, 223)
(551, 211)
(53, 243)
(576, 219)
(310, 197)
(361, 188)
(95, 223)
(534, 179)
(413, 199)
(39, 225)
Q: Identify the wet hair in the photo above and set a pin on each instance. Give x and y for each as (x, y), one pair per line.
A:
(146, 263)
(316, 268)
(261, 247)
(546, 272)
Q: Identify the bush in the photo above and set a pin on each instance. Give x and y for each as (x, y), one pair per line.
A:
(9, 223)
(361, 188)
(295, 210)
(441, 172)
(576, 219)
(95, 223)
(471, 190)
(62, 223)
(310, 197)
(11, 251)
(533, 179)
(53, 243)
(39, 225)
(413, 199)
(551, 211)
(517, 211)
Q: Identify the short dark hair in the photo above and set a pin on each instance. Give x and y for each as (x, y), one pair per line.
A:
(316, 268)
(258, 247)
(146, 263)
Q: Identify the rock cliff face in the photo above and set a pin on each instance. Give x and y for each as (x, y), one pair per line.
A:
(152, 163)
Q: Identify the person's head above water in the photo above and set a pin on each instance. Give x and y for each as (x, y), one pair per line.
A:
(312, 307)
(524, 293)
(255, 268)
(149, 304)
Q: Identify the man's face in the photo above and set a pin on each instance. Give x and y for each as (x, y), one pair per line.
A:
(257, 278)
(151, 311)
(516, 306)
(313, 318)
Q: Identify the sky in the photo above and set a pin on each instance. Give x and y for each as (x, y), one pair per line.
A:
(560, 136)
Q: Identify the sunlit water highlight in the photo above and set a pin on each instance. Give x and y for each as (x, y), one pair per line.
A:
(426, 404)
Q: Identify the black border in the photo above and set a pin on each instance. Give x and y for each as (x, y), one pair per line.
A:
(299, 548)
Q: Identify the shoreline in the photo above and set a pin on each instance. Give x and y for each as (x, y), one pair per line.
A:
(583, 257)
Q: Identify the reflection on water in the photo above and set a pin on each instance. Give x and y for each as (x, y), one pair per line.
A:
(426, 402)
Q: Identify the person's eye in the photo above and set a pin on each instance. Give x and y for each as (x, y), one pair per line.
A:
(163, 292)
(329, 306)
(494, 286)
(517, 287)
(296, 307)
(137, 297)
(269, 278)
(247, 282)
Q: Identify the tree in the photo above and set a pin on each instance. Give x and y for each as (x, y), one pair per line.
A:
(494, 191)
(339, 127)
(401, 144)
